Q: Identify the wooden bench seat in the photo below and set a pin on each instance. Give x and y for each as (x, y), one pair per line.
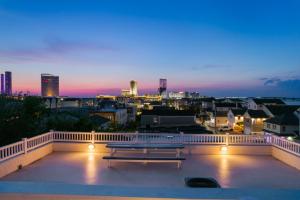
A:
(177, 160)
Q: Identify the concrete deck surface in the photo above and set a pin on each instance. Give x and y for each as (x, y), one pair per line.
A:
(231, 171)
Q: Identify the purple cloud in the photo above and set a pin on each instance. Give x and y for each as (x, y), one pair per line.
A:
(54, 47)
(209, 66)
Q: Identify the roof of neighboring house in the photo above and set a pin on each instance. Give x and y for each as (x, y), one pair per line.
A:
(98, 119)
(284, 119)
(268, 101)
(257, 114)
(221, 113)
(225, 104)
(168, 112)
(238, 111)
(281, 109)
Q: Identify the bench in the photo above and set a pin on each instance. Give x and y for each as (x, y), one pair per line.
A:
(177, 160)
(145, 147)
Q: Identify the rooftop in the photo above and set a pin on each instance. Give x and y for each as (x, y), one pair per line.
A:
(238, 111)
(231, 171)
(167, 112)
(257, 114)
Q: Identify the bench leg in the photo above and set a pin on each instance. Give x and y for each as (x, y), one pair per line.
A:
(177, 153)
(179, 165)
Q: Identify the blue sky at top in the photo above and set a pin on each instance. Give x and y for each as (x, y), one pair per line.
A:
(216, 47)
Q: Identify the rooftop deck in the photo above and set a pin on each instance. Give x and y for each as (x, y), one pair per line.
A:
(231, 171)
(61, 163)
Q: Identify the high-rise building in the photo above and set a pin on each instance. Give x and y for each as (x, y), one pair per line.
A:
(163, 87)
(133, 88)
(49, 85)
(8, 83)
(2, 83)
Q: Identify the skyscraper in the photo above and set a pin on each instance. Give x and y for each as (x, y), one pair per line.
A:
(2, 83)
(133, 88)
(163, 87)
(49, 85)
(8, 83)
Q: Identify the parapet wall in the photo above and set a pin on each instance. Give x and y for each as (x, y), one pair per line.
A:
(13, 164)
(286, 157)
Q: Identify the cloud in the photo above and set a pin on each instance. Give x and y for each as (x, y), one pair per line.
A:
(271, 81)
(292, 84)
(53, 47)
(209, 66)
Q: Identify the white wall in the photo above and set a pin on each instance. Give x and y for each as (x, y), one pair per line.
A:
(11, 165)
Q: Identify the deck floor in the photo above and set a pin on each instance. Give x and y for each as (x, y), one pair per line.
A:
(231, 171)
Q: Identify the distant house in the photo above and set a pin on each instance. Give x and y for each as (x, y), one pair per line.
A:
(235, 116)
(286, 124)
(258, 103)
(219, 117)
(166, 118)
(254, 121)
(116, 116)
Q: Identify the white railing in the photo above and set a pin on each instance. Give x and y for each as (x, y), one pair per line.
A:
(39, 140)
(22, 147)
(11, 150)
(286, 145)
(59, 136)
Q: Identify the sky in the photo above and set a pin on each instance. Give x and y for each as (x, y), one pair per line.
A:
(215, 47)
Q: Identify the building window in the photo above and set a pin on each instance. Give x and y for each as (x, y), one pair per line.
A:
(268, 125)
(274, 126)
(283, 129)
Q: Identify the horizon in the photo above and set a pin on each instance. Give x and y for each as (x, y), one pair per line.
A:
(216, 48)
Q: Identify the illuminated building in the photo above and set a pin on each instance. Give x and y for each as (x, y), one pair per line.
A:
(125, 93)
(2, 83)
(162, 88)
(49, 85)
(133, 88)
(8, 83)
(177, 95)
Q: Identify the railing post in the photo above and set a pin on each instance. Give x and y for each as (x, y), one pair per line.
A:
(25, 145)
(227, 139)
(52, 134)
(181, 137)
(93, 137)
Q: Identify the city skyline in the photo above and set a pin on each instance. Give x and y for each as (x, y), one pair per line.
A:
(247, 48)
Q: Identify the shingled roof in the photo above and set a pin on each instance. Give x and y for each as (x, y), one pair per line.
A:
(224, 104)
(238, 111)
(285, 119)
(257, 113)
(168, 112)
